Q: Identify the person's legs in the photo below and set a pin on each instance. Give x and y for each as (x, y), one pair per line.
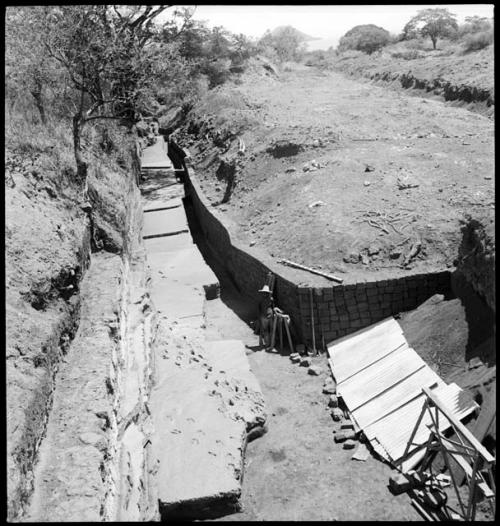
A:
(264, 332)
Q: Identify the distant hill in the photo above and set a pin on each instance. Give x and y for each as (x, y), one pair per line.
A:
(303, 36)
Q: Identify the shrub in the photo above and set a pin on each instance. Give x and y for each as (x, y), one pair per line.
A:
(366, 38)
(476, 41)
(415, 43)
(411, 54)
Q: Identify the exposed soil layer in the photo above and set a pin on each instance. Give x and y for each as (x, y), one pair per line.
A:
(47, 248)
(448, 73)
(49, 234)
(343, 176)
(476, 259)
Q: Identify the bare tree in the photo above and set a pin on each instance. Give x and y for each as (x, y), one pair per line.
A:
(111, 57)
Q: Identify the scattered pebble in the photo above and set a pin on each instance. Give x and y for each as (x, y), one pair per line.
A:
(314, 370)
(333, 401)
(337, 415)
(305, 362)
(316, 203)
(349, 444)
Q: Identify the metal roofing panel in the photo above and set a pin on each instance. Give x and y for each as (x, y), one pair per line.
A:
(350, 357)
(345, 343)
(393, 431)
(401, 393)
(380, 377)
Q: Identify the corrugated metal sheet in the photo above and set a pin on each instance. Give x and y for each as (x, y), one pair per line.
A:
(381, 379)
(350, 352)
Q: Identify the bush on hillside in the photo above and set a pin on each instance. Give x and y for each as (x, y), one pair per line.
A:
(411, 54)
(476, 41)
(284, 44)
(475, 24)
(367, 38)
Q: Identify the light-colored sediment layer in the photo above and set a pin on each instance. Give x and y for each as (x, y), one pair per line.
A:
(205, 397)
(70, 481)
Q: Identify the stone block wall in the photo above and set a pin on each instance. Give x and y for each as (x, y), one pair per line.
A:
(338, 310)
(343, 309)
(247, 271)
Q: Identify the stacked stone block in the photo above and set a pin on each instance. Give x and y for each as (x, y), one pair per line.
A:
(339, 309)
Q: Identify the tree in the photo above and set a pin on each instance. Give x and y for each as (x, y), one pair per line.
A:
(111, 57)
(367, 38)
(475, 24)
(285, 42)
(28, 68)
(434, 23)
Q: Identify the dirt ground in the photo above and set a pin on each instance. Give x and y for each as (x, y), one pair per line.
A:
(342, 175)
(296, 471)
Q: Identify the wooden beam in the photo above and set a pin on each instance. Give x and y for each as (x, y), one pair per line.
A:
(459, 427)
(311, 270)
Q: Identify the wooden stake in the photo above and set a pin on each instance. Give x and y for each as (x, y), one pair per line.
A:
(312, 321)
(311, 270)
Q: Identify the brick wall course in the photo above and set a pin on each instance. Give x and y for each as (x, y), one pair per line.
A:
(338, 310)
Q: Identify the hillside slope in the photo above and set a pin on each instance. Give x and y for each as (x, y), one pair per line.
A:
(448, 73)
(341, 175)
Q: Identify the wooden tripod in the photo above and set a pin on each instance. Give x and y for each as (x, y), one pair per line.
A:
(281, 319)
(465, 450)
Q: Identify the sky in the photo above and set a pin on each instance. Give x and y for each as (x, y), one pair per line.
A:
(322, 21)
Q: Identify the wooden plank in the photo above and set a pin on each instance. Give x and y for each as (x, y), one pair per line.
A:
(311, 270)
(458, 457)
(459, 427)
(486, 416)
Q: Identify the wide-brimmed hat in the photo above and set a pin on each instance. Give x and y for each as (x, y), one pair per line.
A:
(265, 288)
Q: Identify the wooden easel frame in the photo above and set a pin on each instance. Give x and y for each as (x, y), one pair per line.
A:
(466, 451)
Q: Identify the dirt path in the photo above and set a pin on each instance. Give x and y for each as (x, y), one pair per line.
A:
(296, 471)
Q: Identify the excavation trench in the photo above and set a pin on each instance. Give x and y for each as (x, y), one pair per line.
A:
(292, 472)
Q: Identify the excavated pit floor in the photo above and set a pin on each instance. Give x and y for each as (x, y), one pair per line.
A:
(296, 471)
(205, 398)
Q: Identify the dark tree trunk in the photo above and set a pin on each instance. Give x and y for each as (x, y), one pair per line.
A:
(434, 42)
(37, 95)
(81, 165)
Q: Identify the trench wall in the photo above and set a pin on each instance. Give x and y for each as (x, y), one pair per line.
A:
(338, 310)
